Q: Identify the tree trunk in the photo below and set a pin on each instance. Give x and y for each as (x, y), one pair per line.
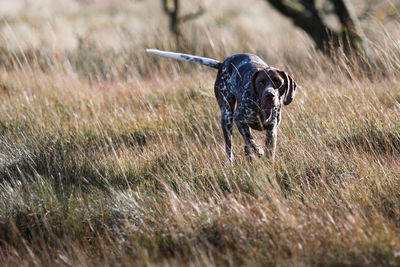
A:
(305, 14)
(352, 34)
(171, 8)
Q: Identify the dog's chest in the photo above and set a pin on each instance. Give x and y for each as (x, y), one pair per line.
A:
(258, 119)
(250, 111)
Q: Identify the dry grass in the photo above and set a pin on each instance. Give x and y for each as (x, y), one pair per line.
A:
(114, 157)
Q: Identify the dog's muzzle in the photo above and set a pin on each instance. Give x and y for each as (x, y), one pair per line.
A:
(270, 99)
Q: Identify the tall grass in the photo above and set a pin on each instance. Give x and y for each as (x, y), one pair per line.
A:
(116, 158)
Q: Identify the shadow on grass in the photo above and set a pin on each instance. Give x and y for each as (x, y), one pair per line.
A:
(74, 162)
(55, 161)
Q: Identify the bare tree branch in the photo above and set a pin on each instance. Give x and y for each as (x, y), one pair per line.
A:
(193, 15)
(350, 23)
(172, 8)
(306, 15)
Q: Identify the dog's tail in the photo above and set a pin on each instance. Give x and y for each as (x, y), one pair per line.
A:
(200, 60)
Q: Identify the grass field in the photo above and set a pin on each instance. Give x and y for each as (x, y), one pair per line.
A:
(110, 156)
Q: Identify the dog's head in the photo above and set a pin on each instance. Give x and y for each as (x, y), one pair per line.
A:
(270, 85)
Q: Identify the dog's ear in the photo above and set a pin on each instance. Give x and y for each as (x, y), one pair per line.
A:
(259, 81)
(288, 89)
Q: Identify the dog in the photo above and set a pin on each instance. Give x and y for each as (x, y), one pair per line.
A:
(250, 93)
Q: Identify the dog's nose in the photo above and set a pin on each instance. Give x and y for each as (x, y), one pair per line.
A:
(269, 99)
(269, 96)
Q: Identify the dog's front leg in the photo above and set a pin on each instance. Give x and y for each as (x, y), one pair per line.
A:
(270, 143)
(226, 123)
(244, 130)
(271, 134)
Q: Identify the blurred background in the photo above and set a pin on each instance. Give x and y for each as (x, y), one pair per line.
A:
(42, 29)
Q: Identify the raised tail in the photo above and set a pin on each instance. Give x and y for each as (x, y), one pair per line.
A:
(200, 60)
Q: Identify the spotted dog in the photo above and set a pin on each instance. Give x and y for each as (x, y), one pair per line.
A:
(256, 89)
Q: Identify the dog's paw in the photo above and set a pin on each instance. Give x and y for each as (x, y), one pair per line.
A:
(260, 151)
(256, 149)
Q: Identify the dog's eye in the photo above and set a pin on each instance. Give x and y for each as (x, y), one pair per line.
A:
(261, 83)
(277, 82)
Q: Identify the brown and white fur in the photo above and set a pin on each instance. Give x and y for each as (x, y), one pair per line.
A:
(248, 92)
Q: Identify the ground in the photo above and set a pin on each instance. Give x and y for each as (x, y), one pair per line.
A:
(112, 156)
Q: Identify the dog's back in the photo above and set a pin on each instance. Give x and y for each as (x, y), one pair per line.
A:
(237, 71)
